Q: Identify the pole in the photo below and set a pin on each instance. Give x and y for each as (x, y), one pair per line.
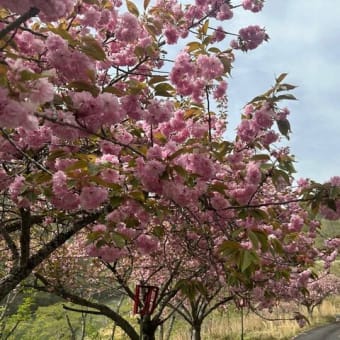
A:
(242, 328)
(141, 324)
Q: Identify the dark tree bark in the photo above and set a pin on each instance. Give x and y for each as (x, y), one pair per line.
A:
(196, 331)
(148, 328)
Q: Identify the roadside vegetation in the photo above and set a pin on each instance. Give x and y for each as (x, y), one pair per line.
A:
(54, 322)
(34, 315)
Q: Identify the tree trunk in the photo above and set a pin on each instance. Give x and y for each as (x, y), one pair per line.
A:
(196, 331)
(148, 328)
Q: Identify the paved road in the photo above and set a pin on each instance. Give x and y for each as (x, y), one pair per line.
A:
(329, 332)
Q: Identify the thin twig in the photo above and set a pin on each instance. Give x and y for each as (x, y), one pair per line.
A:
(23, 153)
(32, 12)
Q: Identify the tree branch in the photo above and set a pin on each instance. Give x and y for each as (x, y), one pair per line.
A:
(11, 245)
(93, 312)
(15, 226)
(25, 237)
(216, 305)
(23, 153)
(102, 309)
(32, 12)
(18, 274)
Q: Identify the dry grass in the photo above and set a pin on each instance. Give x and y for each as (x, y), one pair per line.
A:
(228, 327)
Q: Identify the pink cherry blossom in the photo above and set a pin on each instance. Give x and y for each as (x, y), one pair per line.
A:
(92, 197)
(253, 5)
(99, 228)
(146, 244)
(224, 12)
(171, 34)
(210, 67)
(220, 89)
(253, 175)
(249, 38)
(127, 29)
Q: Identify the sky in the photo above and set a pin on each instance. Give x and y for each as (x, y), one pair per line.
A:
(305, 43)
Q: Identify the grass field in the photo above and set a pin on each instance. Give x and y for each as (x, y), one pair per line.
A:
(227, 326)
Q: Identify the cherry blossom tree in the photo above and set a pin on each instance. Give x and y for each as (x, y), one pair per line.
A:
(101, 132)
(318, 290)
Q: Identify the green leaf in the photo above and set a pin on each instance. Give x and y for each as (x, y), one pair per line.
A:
(258, 99)
(218, 187)
(226, 63)
(114, 90)
(262, 157)
(199, 287)
(93, 236)
(138, 196)
(30, 195)
(158, 231)
(93, 169)
(180, 170)
(278, 175)
(205, 27)
(214, 50)
(284, 127)
(190, 288)
(229, 246)
(80, 86)
(164, 90)
(333, 192)
(262, 238)
(253, 238)
(193, 46)
(331, 204)
(277, 246)
(3, 75)
(26, 75)
(192, 113)
(186, 288)
(64, 34)
(39, 178)
(139, 51)
(246, 260)
(132, 8)
(91, 2)
(116, 201)
(92, 48)
(259, 214)
(146, 4)
(57, 154)
(179, 152)
(281, 77)
(159, 137)
(135, 86)
(287, 96)
(119, 239)
(223, 148)
(131, 222)
(286, 87)
(81, 164)
(157, 79)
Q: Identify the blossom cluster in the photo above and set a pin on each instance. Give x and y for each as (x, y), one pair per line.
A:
(191, 77)
(249, 38)
(51, 10)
